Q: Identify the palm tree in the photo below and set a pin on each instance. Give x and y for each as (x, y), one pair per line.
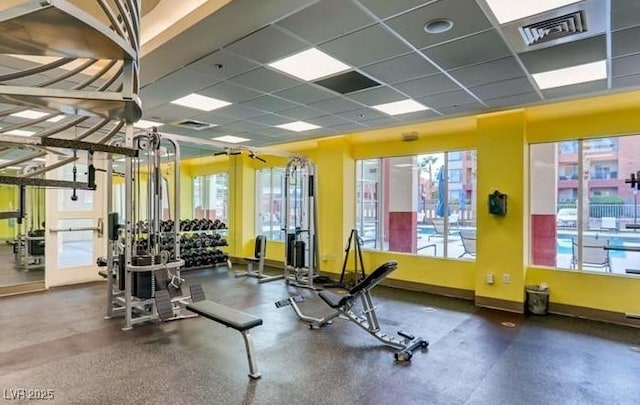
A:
(426, 165)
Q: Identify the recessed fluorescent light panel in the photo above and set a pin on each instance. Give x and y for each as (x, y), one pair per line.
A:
(231, 139)
(144, 124)
(57, 118)
(19, 132)
(199, 102)
(310, 65)
(509, 10)
(298, 126)
(400, 107)
(571, 75)
(30, 114)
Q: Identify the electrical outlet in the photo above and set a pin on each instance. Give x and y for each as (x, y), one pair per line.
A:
(506, 278)
(489, 278)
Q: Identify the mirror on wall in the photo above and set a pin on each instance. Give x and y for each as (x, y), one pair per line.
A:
(22, 241)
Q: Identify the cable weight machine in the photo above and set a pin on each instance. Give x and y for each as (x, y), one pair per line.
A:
(300, 223)
(135, 271)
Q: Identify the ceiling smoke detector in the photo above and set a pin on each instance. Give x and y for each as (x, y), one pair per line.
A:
(438, 26)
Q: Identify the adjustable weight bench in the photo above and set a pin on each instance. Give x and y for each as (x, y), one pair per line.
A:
(344, 306)
(230, 318)
(258, 260)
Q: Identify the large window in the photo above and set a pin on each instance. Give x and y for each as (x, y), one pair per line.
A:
(210, 197)
(422, 204)
(269, 202)
(582, 211)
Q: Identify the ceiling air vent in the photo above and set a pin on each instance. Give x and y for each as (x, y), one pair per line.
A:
(554, 28)
(570, 23)
(194, 124)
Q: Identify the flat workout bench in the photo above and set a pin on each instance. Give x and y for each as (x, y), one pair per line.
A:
(229, 317)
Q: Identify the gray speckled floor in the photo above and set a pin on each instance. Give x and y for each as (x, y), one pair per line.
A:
(58, 340)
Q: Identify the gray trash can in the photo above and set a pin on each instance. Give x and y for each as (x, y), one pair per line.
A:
(537, 299)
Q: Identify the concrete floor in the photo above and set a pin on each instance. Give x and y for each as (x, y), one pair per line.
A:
(59, 340)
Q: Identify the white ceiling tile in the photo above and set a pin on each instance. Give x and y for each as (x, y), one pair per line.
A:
(363, 115)
(270, 104)
(377, 95)
(305, 94)
(386, 8)
(626, 65)
(222, 65)
(328, 121)
(185, 82)
(264, 80)
(417, 116)
(366, 46)
(576, 89)
(230, 92)
(503, 88)
(239, 126)
(466, 16)
(400, 69)
(624, 13)
(565, 55)
(353, 127)
(239, 112)
(302, 113)
(423, 86)
(155, 94)
(335, 105)
(481, 47)
(632, 81)
(267, 45)
(513, 100)
(169, 112)
(325, 20)
(625, 42)
(271, 119)
(383, 122)
(462, 109)
(448, 99)
(505, 68)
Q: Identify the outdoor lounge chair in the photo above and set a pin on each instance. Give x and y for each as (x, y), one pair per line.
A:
(468, 243)
(593, 253)
(438, 226)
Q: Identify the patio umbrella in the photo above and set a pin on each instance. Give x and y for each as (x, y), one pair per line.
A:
(440, 208)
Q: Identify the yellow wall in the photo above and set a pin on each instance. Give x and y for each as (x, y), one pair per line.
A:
(501, 140)
(8, 202)
(501, 239)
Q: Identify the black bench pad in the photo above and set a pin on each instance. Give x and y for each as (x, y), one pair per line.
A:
(230, 317)
(333, 300)
(252, 259)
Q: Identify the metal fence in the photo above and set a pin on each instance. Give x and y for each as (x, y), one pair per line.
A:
(620, 211)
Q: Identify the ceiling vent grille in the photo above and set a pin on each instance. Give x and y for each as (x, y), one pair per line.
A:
(554, 28)
(194, 124)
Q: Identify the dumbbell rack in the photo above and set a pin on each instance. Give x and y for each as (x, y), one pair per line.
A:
(226, 262)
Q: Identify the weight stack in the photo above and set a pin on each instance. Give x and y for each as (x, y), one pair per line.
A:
(299, 261)
(291, 240)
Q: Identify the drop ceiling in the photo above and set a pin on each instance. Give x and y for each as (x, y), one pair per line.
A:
(474, 67)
